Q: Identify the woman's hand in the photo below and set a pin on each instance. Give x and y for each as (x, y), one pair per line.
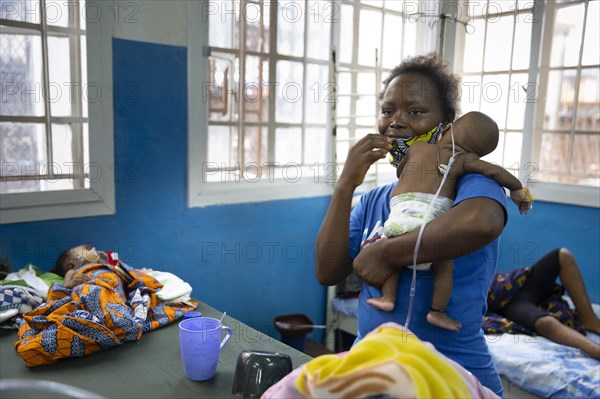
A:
(361, 156)
(370, 265)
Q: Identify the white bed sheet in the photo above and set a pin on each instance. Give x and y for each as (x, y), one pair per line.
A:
(534, 364)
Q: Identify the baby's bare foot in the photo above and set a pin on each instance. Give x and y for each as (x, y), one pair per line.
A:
(381, 304)
(441, 319)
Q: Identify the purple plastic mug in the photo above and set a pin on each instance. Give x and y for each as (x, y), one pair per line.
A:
(200, 343)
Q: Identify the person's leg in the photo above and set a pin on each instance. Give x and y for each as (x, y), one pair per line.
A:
(442, 289)
(571, 279)
(388, 292)
(554, 330)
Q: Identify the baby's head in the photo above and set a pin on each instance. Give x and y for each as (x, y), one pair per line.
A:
(78, 256)
(475, 132)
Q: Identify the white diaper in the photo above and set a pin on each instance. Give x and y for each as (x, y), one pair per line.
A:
(407, 212)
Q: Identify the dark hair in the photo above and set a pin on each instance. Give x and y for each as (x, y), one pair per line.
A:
(61, 262)
(433, 67)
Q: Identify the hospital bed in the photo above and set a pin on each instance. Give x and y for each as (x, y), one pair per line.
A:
(530, 367)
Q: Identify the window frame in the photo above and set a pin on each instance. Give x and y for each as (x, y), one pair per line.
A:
(564, 193)
(541, 45)
(99, 198)
(203, 193)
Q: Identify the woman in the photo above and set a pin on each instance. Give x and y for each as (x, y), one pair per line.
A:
(529, 301)
(418, 95)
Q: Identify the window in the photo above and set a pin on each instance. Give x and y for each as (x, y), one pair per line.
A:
(56, 124)
(374, 37)
(534, 67)
(259, 95)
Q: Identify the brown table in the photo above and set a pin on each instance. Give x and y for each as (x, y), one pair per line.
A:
(148, 368)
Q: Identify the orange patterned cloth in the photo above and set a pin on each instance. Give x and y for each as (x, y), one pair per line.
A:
(104, 312)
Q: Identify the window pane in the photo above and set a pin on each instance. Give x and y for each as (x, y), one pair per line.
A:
(61, 86)
(342, 149)
(591, 53)
(586, 154)
(321, 16)
(317, 95)
(517, 101)
(391, 53)
(255, 147)
(365, 105)
(470, 93)
(343, 110)
(223, 30)
(84, 80)
(369, 37)
(374, 3)
(254, 96)
(220, 90)
(588, 107)
(560, 100)
(566, 38)
(366, 84)
(21, 75)
(288, 105)
(410, 39)
(64, 147)
(257, 35)
(316, 146)
(525, 4)
(223, 146)
(290, 28)
(395, 5)
(512, 150)
(496, 7)
(23, 149)
(498, 43)
(553, 152)
(346, 34)
(522, 45)
(21, 10)
(288, 145)
(474, 47)
(57, 12)
(494, 97)
(477, 8)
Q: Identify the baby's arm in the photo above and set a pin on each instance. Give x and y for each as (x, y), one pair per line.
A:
(71, 281)
(519, 194)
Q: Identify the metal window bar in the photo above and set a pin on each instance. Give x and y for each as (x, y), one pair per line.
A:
(46, 87)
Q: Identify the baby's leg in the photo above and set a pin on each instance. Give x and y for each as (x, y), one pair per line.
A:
(388, 291)
(442, 289)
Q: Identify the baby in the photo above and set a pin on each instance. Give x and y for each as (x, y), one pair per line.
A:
(72, 259)
(420, 173)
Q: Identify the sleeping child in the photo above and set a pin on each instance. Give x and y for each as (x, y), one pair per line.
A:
(74, 258)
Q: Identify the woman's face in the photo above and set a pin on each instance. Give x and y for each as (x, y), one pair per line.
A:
(410, 107)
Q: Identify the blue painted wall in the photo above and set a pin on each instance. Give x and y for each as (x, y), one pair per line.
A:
(527, 238)
(254, 261)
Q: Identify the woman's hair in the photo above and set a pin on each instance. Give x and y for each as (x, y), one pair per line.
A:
(433, 67)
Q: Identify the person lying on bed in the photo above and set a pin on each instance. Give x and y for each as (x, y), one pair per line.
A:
(527, 300)
(74, 258)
